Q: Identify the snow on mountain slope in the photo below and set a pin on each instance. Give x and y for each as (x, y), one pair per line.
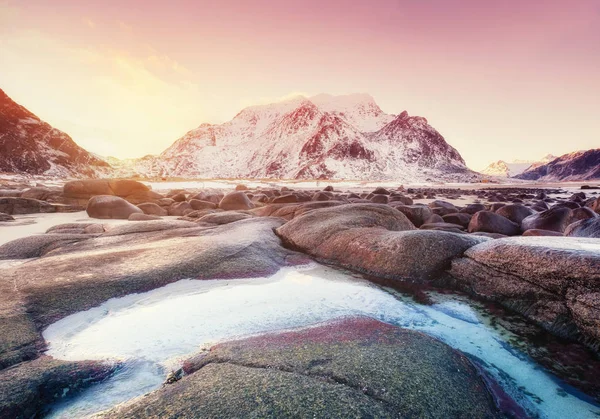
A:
(502, 168)
(576, 166)
(30, 145)
(337, 137)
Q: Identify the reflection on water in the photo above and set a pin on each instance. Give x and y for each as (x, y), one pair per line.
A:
(154, 331)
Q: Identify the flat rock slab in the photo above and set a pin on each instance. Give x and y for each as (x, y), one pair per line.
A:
(89, 272)
(554, 281)
(376, 240)
(356, 367)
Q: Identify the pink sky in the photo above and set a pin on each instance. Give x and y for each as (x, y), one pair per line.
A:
(500, 80)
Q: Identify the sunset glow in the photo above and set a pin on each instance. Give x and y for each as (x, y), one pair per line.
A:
(499, 80)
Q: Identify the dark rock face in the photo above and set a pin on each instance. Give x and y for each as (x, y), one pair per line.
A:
(585, 228)
(374, 239)
(29, 387)
(554, 219)
(24, 206)
(417, 214)
(236, 201)
(29, 145)
(551, 281)
(335, 370)
(108, 206)
(581, 165)
(6, 217)
(490, 222)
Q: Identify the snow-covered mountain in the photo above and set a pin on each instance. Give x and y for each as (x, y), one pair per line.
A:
(336, 137)
(580, 165)
(502, 168)
(30, 145)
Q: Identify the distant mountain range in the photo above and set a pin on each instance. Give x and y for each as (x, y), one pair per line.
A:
(580, 165)
(321, 137)
(30, 145)
(502, 168)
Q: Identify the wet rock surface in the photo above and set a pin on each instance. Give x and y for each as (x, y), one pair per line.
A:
(352, 368)
(552, 281)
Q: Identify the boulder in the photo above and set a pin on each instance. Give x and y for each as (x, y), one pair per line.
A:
(553, 281)
(538, 232)
(380, 191)
(417, 214)
(581, 214)
(12, 206)
(6, 217)
(151, 208)
(285, 199)
(490, 222)
(554, 219)
(585, 228)
(180, 208)
(379, 199)
(515, 212)
(356, 367)
(473, 208)
(107, 206)
(198, 204)
(374, 239)
(235, 201)
(459, 218)
(91, 187)
(320, 196)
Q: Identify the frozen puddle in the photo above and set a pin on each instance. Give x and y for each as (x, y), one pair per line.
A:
(154, 331)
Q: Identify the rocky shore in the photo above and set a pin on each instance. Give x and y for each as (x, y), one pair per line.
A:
(536, 252)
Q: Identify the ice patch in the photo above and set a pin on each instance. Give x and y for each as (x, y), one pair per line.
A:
(154, 331)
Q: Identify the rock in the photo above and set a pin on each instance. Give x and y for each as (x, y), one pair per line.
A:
(235, 201)
(241, 187)
(379, 199)
(285, 199)
(198, 204)
(461, 219)
(417, 214)
(401, 198)
(581, 214)
(473, 208)
(148, 226)
(14, 206)
(489, 222)
(180, 197)
(10, 193)
(35, 246)
(442, 207)
(142, 217)
(380, 191)
(27, 389)
(515, 212)
(6, 217)
(328, 188)
(356, 367)
(553, 281)
(434, 219)
(151, 208)
(180, 208)
(374, 239)
(210, 196)
(91, 187)
(454, 228)
(585, 228)
(94, 229)
(289, 211)
(595, 205)
(41, 194)
(106, 206)
(554, 219)
(132, 191)
(538, 232)
(224, 217)
(320, 196)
